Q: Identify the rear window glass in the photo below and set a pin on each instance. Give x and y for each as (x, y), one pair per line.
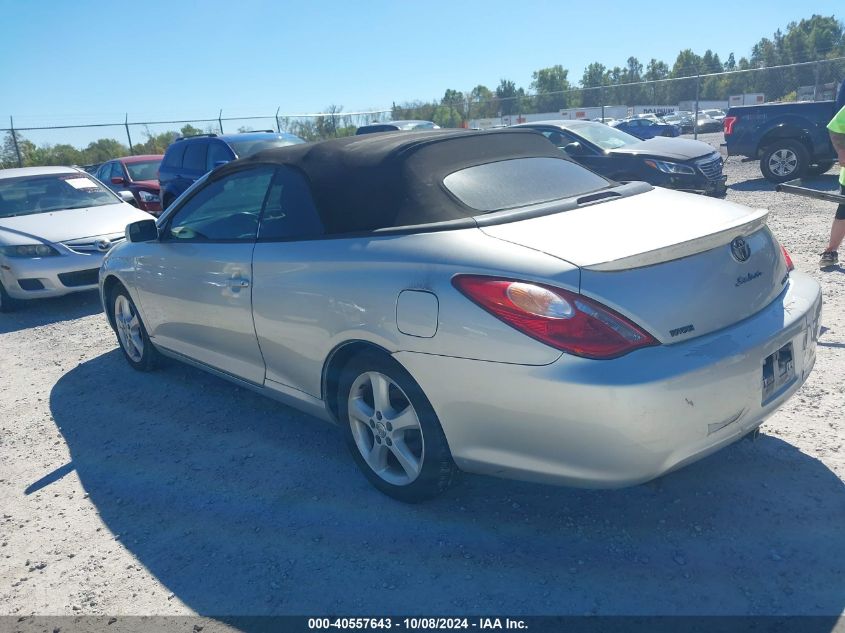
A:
(248, 148)
(173, 155)
(521, 182)
(195, 156)
(370, 129)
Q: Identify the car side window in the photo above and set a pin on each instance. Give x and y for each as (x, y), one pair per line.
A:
(103, 172)
(174, 155)
(289, 211)
(195, 154)
(116, 171)
(226, 209)
(562, 138)
(217, 151)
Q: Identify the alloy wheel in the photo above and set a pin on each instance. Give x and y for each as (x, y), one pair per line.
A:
(386, 428)
(128, 328)
(783, 162)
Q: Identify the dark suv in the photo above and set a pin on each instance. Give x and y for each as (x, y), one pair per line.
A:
(189, 158)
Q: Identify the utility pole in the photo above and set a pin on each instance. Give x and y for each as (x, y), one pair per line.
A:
(695, 120)
(128, 136)
(15, 140)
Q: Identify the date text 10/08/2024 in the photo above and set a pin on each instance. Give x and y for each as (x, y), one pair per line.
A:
(417, 623)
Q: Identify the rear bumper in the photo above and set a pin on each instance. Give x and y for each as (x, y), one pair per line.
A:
(624, 421)
(50, 276)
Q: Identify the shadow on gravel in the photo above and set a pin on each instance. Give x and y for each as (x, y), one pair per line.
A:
(824, 182)
(242, 506)
(38, 312)
(755, 184)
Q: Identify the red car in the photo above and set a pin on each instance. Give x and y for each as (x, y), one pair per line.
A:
(138, 174)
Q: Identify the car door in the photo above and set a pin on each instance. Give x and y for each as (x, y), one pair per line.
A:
(195, 282)
(292, 295)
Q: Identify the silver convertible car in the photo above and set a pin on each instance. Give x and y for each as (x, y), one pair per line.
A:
(474, 301)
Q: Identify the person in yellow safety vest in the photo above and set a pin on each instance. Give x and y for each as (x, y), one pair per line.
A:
(836, 129)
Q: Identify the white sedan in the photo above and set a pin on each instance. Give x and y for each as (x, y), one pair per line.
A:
(56, 224)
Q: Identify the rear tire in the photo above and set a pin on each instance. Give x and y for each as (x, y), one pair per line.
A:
(819, 168)
(132, 336)
(392, 431)
(784, 160)
(7, 304)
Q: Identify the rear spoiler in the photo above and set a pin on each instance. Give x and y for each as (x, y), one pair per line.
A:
(724, 234)
(797, 188)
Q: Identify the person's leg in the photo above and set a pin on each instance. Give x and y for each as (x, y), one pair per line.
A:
(837, 232)
(830, 257)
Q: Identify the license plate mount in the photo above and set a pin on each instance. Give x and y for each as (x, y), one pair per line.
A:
(778, 371)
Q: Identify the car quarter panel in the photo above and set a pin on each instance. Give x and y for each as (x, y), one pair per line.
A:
(619, 422)
(312, 296)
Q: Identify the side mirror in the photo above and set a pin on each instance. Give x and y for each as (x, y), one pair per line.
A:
(573, 148)
(142, 231)
(117, 180)
(127, 197)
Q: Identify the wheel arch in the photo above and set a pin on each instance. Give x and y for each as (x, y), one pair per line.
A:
(109, 284)
(334, 364)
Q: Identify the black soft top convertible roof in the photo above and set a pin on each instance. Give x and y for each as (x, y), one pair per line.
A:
(390, 180)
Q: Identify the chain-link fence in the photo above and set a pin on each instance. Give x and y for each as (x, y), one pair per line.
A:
(700, 89)
(25, 145)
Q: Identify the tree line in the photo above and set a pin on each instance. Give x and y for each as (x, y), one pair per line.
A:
(658, 83)
(550, 90)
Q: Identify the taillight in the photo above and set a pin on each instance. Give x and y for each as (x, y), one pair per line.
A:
(562, 319)
(728, 124)
(789, 265)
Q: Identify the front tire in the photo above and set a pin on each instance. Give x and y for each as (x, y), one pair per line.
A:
(131, 333)
(392, 431)
(784, 160)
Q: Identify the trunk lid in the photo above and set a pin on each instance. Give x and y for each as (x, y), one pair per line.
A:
(671, 262)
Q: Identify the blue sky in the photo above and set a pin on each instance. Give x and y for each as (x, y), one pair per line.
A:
(67, 62)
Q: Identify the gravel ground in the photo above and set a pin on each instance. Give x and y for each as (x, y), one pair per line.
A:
(178, 493)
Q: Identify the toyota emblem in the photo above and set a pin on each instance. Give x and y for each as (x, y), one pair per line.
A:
(740, 250)
(103, 245)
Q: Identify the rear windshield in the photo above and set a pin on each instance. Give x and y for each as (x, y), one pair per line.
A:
(521, 182)
(247, 148)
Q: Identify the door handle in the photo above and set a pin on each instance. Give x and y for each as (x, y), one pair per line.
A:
(239, 283)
